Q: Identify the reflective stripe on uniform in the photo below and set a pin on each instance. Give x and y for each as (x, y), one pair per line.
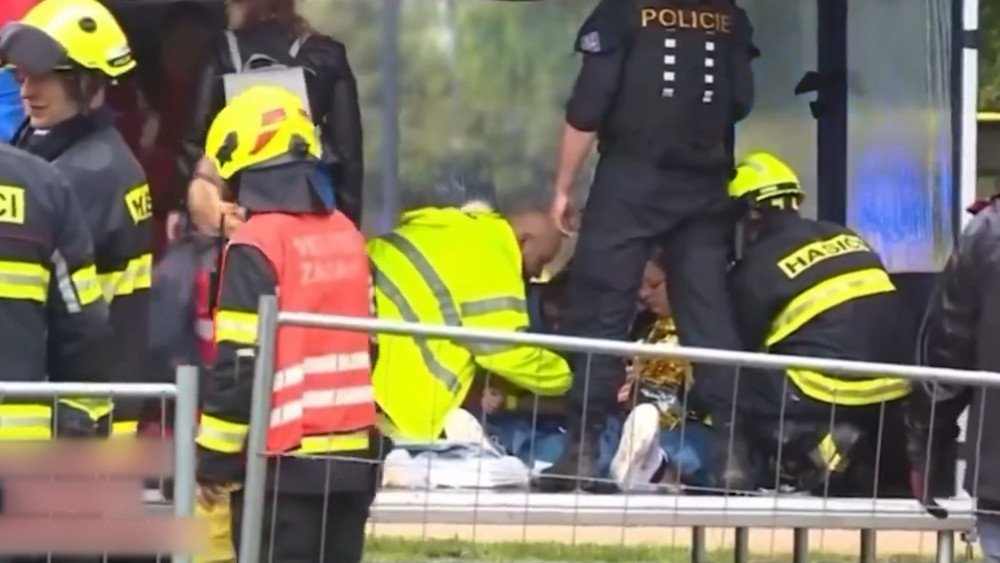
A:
(446, 303)
(25, 422)
(825, 296)
(96, 408)
(493, 305)
(448, 378)
(313, 365)
(24, 280)
(348, 442)
(848, 392)
(293, 410)
(124, 428)
(236, 326)
(221, 435)
(137, 275)
(830, 454)
(88, 287)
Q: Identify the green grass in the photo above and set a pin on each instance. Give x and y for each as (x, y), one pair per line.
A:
(386, 549)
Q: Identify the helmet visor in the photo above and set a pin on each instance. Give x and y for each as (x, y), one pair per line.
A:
(30, 50)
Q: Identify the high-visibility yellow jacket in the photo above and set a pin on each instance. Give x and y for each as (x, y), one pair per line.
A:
(448, 267)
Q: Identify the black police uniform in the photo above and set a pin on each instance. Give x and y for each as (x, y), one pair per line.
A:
(662, 83)
(813, 288)
(111, 186)
(47, 260)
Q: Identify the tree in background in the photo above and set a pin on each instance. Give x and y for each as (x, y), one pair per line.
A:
(989, 55)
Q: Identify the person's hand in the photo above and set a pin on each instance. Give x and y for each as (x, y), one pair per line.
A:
(493, 400)
(233, 216)
(562, 213)
(174, 225)
(210, 495)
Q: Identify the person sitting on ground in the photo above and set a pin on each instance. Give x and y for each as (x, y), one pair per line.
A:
(637, 452)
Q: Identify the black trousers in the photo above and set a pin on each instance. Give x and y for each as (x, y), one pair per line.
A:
(633, 207)
(770, 408)
(309, 528)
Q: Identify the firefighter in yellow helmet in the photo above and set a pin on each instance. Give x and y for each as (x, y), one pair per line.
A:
(811, 288)
(64, 54)
(298, 246)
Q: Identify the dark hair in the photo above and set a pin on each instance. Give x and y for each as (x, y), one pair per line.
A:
(282, 11)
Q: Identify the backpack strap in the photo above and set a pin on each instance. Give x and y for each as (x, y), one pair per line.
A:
(293, 51)
(234, 51)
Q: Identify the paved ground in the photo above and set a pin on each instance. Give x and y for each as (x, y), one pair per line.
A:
(761, 541)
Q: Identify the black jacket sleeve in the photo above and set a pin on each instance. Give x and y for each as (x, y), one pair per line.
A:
(80, 332)
(948, 339)
(603, 39)
(342, 124)
(246, 277)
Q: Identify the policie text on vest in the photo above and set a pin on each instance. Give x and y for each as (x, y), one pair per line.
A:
(675, 18)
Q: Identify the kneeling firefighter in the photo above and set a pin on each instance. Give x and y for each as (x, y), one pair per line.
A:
(299, 247)
(65, 53)
(811, 288)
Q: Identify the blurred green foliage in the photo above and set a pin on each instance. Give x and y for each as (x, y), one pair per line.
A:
(989, 55)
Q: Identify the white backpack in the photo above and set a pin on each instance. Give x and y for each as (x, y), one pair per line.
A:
(263, 69)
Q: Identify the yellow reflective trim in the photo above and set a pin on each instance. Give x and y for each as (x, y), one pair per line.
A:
(24, 280)
(825, 296)
(221, 435)
(139, 203)
(137, 275)
(236, 326)
(848, 392)
(25, 422)
(124, 429)
(353, 441)
(96, 408)
(831, 455)
(88, 287)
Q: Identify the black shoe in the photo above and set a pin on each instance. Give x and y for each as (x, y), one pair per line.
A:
(576, 468)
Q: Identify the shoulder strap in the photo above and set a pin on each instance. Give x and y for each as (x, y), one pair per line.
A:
(234, 51)
(293, 51)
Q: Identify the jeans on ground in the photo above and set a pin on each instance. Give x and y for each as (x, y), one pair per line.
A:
(513, 432)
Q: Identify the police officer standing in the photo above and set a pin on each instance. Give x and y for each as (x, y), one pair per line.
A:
(65, 53)
(661, 85)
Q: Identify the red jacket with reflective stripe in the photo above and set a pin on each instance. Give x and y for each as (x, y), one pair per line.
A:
(322, 382)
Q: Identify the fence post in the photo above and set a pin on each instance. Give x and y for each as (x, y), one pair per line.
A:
(800, 545)
(260, 406)
(867, 546)
(945, 547)
(698, 545)
(741, 551)
(185, 411)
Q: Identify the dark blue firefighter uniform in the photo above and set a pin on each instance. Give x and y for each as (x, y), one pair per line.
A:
(662, 84)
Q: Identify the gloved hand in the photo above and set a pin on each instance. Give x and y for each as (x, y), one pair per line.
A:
(921, 492)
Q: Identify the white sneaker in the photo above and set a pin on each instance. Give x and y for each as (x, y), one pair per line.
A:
(463, 428)
(639, 455)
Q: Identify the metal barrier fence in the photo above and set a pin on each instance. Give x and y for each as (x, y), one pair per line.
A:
(768, 509)
(184, 394)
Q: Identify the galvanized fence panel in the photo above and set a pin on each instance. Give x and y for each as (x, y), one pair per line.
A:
(766, 509)
(184, 393)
